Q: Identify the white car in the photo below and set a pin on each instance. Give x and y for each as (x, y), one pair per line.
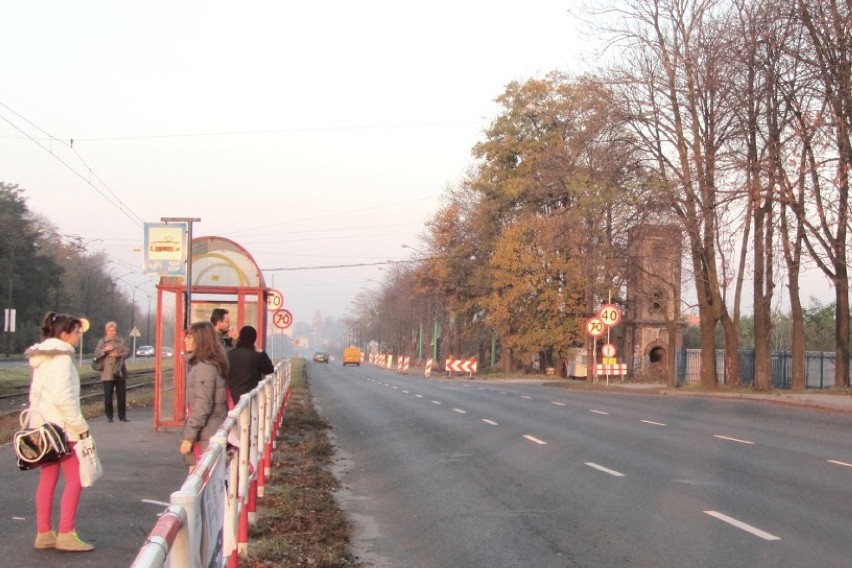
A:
(145, 351)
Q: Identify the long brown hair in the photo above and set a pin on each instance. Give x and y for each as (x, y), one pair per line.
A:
(208, 348)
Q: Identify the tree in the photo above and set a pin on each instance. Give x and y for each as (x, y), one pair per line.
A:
(675, 91)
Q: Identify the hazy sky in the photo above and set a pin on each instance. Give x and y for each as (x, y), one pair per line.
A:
(315, 134)
(312, 133)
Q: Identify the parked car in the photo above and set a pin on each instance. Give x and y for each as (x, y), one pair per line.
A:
(320, 357)
(145, 351)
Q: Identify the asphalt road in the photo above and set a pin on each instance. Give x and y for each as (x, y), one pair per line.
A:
(479, 474)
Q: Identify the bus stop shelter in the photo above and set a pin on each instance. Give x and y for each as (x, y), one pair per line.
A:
(224, 275)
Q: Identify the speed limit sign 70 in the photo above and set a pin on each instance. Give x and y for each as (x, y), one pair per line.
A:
(595, 327)
(282, 319)
(610, 315)
(274, 300)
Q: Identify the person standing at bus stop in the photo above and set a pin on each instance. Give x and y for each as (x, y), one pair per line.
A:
(114, 350)
(55, 393)
(248, 364)
(206, 396)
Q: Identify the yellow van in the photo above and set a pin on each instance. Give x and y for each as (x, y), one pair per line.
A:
(351, 355)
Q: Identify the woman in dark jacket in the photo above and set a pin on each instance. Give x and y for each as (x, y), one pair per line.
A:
(248, 364)
(205, 389)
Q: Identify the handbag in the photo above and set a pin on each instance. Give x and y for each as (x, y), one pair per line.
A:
(90, 463)
(120, 370)
(40, 445)
(98, 364)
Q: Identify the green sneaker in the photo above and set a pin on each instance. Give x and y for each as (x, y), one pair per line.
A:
(70, 542)
(45, 540)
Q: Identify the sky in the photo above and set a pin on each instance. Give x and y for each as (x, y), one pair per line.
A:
(312, 133)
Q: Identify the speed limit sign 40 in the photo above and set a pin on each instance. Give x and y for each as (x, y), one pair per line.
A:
(274, 300)
(282, 319)
(610, 315)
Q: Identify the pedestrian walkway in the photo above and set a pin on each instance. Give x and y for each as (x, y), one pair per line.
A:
(141, 470)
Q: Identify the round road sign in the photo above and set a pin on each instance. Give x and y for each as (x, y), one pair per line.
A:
(608, 350)
(595, 327)
(274, 300)
(282, 319)
(610, 315)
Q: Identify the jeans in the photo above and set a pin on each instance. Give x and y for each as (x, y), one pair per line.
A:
(120, 387)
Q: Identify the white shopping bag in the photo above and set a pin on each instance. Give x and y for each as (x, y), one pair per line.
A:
(90, 465)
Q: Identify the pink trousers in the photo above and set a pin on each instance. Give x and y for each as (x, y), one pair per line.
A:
(70, 494)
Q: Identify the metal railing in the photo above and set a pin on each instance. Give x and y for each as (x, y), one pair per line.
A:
(819, 368)
(206, 523)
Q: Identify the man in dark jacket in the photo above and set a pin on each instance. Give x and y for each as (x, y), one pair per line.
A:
(248, 364)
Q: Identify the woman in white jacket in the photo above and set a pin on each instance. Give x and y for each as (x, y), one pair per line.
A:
(55, 393)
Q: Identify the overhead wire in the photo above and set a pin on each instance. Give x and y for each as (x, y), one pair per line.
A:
(115, 200)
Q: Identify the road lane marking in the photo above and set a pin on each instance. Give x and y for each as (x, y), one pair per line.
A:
(743, 526)
(459, 410)
(612, 472)
(406, 392)
(152, 502)
(526, 397)
(597, 411)
(419, 395)
(487, 421)
(737, 440)
(536, 440)
(435, 402)
(558, 403)
(501, 392)
(839, 463)
(652, 423)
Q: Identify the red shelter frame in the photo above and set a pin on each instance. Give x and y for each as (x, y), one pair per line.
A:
(224, 275)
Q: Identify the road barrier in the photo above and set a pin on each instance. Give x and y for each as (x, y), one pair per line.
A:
(206, 523)
(452, 365)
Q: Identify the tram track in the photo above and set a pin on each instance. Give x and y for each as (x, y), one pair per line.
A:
(13, 403)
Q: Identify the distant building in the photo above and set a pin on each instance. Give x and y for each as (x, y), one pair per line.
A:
(653, 327)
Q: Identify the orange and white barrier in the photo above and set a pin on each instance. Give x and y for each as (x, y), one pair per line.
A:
(460, 366)
(428, 371)
(612, 369)
(403, 364)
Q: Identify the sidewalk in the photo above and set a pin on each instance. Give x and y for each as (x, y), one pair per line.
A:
(813, 398)
(141, 470)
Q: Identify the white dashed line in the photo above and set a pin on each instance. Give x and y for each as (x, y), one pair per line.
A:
(406, 392)
(558, 403)
(459, 410)
(501, 392)
(419, 395)
(652, 423)
(487, 421)
(741, 525)
(435, 402)
(612, 472)
(840, 463)
(597, 411)
(526, 397)
(536, 440)
(737, 440)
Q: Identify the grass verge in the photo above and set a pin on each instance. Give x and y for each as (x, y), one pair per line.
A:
(298, 520)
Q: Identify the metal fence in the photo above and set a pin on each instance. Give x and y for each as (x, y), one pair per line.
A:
(819, 368)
